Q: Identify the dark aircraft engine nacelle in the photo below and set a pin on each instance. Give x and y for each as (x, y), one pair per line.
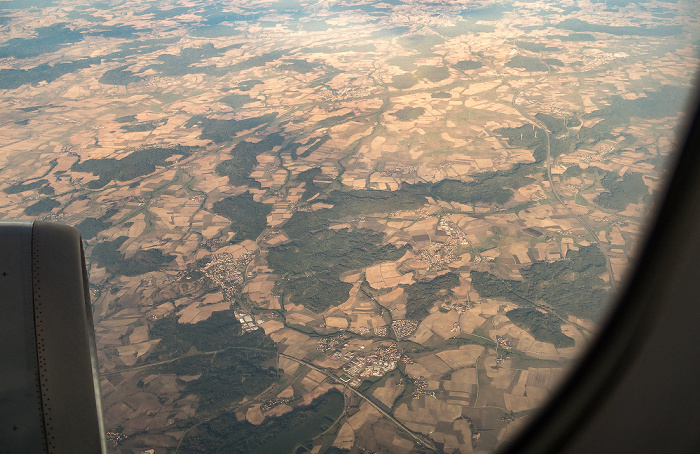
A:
(49, 383)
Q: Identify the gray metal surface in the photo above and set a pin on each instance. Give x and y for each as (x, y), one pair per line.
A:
(63, 315)
(21, 416)
(50, 398)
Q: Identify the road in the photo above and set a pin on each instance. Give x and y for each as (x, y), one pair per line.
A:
(172, 360)
(426, 443)
(548, 165)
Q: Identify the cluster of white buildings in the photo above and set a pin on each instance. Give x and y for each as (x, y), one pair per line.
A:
(247, 322)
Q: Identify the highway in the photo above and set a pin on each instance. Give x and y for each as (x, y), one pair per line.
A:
(419, 439)
(548, 166)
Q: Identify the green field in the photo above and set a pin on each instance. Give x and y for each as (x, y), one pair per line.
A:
(243, 156)
(248, 217)
(422, 296)
(42, 206)
(543, 327)
(225, 434)
(106, 254)
(569, 286)
(312, 263)
(138, 163)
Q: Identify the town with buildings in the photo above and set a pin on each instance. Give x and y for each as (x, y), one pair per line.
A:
(375, 363)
